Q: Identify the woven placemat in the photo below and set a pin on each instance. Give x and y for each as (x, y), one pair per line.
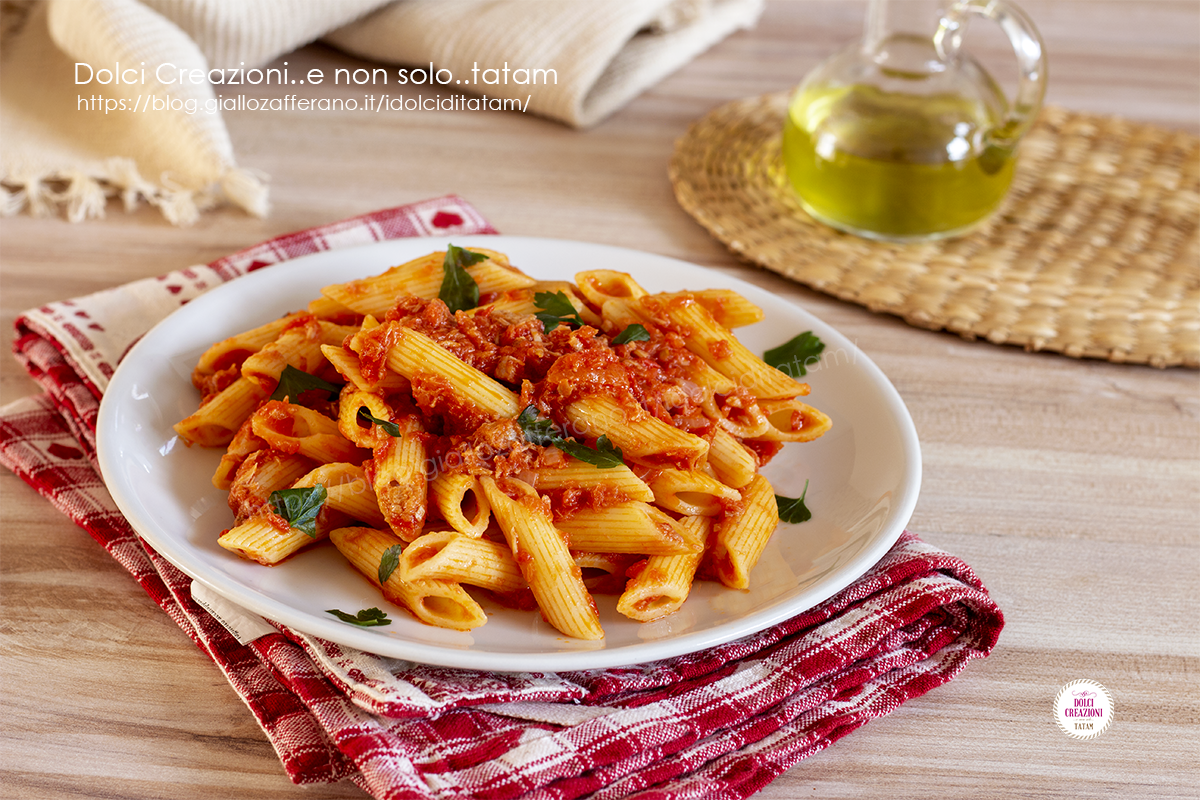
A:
(1095, 253)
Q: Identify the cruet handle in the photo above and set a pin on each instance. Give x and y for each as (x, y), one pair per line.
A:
(1031, 60)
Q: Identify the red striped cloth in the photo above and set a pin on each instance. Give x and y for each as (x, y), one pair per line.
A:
(720, 723)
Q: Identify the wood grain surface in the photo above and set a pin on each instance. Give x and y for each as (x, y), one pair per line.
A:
(1071, 487)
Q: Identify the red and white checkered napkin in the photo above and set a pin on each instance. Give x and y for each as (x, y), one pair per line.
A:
(720, 723)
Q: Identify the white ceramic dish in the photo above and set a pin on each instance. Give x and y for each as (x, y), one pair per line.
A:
(865, 475)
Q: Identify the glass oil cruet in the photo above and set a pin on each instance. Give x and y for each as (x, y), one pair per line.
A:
(902, 136)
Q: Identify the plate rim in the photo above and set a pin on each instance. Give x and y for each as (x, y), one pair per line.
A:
(470, 658)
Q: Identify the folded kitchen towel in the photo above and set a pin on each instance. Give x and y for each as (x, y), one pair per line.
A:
(718, 723)
(63, 148)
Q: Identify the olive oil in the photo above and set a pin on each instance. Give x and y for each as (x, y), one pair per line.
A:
(894, 166)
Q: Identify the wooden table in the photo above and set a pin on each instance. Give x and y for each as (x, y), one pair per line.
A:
(1071, 486)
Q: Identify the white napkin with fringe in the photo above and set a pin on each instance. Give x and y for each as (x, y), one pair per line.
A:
(57, 156)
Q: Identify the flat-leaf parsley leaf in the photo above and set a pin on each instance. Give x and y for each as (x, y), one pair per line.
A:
(459, 290)
(295, 382)
(390, 428)
(389, 562)
(634, 333)
(367, 617)
(537, 431)
(792, 509)
(299, 507)
(606, 455)
(554, 309)
(795, 356)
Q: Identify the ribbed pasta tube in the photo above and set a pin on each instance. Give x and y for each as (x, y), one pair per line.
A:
(524, 300)
(347, 490)
(691, 492)
(732, 463)
(217, 421)
(664, 582)
(296, 429)
(728, 308)
(245, 442)
(414, 354)
(742, 536)
(261, 539)
(327, 308)
(451, 556)
(723, 352)
(263, 472)
(624, 528)
(441, 603)
(236, 349)
(348, 365)
(575, 474)
(299, 346)
(545, 561)
(642, 438)
(604, 573)
(601, 285)
(792, 421)
(460, 501)
(422, 277)
(363, 433)
(398, 476)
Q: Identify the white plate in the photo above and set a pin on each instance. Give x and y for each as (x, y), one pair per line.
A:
(865, 474)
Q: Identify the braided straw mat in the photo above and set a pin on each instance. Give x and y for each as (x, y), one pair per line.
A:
(1095, 253)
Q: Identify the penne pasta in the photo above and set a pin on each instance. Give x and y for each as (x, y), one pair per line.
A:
(298, 346)
(512, 445)
(720, 349)
(524, 300)
(575, 474)
(347, 364)
(451, 556)
(691, 493)
(605, 573)
(716, 383)
(617, 313)
(236, 349)
(731, 463)
(260, 474)
(295, 429)
(793, 421)
(741, 536)
(625, 528)
(218, 420)
(600, 285)
(545, 562)
(398, 476)
(745, 423)
(461, 502)
(348, 491)
(257, 539)
(265, 540)
(263, 535)
(422, 277)
(447, 380)
(514, 301)
(642, 438)
(728, 308)
(663, 583)
(329, 309)
(244, 442)
(443, 604)
(353, 425)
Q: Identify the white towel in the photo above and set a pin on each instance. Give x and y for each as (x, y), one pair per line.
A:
(62, 151)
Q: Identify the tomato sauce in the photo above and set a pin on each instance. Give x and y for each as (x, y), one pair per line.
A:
(660, 377)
